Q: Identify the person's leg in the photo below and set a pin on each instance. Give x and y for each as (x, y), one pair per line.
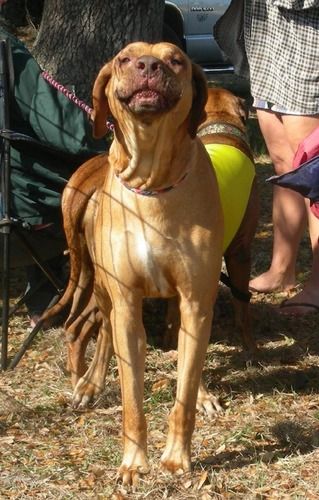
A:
(299, 127)
(289, 215)
(307, 300)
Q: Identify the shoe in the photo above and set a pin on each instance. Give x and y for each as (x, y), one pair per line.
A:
(286, 305)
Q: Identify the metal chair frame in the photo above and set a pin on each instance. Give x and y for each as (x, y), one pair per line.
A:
(8, 224)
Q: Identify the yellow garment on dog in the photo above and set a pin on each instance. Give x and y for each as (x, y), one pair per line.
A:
(235, 173)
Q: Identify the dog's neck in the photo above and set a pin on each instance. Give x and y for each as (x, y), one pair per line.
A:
(145, 158)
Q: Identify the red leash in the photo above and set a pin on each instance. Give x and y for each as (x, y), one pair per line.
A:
(70, 95)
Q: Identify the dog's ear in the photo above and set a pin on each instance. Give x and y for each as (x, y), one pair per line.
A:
(101, 108)
(197, 113)
(243, 109)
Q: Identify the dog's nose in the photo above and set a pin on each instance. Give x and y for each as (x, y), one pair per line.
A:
(148, 65)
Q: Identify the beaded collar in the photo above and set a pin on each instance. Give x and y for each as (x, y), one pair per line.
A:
(153, 192)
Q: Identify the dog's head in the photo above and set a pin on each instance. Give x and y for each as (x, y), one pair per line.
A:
(223, 106)
(147, 82)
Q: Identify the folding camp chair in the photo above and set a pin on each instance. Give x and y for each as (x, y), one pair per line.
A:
(10, 226)
(21, 243)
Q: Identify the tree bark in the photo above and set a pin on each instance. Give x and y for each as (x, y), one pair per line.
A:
(22, 12)
(76, 38)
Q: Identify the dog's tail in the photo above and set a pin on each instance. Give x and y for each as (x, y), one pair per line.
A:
(76, 196)
(74, 278)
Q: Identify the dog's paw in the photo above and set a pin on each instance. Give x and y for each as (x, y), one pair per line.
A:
(85, 391)
(176, 460)
(206, 402)
(133, 468)
(209, 405)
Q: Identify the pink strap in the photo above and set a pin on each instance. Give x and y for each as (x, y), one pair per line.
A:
(308, 148)
(70, 95)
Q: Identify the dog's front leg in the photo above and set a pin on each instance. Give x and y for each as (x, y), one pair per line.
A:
(196, 319)
(129, 341)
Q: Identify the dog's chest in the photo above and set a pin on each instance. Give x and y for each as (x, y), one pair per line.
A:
(138, 260)
(155, 244)
(151, 261)
(137, 247)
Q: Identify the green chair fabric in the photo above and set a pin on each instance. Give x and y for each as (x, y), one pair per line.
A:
(38, 175)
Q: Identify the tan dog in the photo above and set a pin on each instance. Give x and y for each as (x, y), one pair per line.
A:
(152, 224)
(225, 124)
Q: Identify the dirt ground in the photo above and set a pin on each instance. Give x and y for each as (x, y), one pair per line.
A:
(264, 445)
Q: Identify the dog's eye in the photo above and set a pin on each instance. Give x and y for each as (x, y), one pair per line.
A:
(176, 62)
(124, 60)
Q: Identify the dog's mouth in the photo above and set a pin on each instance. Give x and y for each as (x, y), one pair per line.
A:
(149, 100)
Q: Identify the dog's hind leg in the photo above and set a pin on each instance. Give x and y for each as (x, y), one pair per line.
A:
(78, 334)
(84, 319)
(238, 262)
(206, 402)
(91, 384)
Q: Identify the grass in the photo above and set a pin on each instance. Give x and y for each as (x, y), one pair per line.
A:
(263, 446)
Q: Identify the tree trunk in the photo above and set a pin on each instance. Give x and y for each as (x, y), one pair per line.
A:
(76, 38)
(14, 13)
(22, 12)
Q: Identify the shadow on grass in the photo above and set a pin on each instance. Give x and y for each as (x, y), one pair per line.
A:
(263, 381)
(292, 438)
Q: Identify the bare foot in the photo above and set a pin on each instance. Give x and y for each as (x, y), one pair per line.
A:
(271, 282)
(305, 302)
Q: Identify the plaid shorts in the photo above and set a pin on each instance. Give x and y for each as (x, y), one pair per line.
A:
(277, 108)
(282, 50)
